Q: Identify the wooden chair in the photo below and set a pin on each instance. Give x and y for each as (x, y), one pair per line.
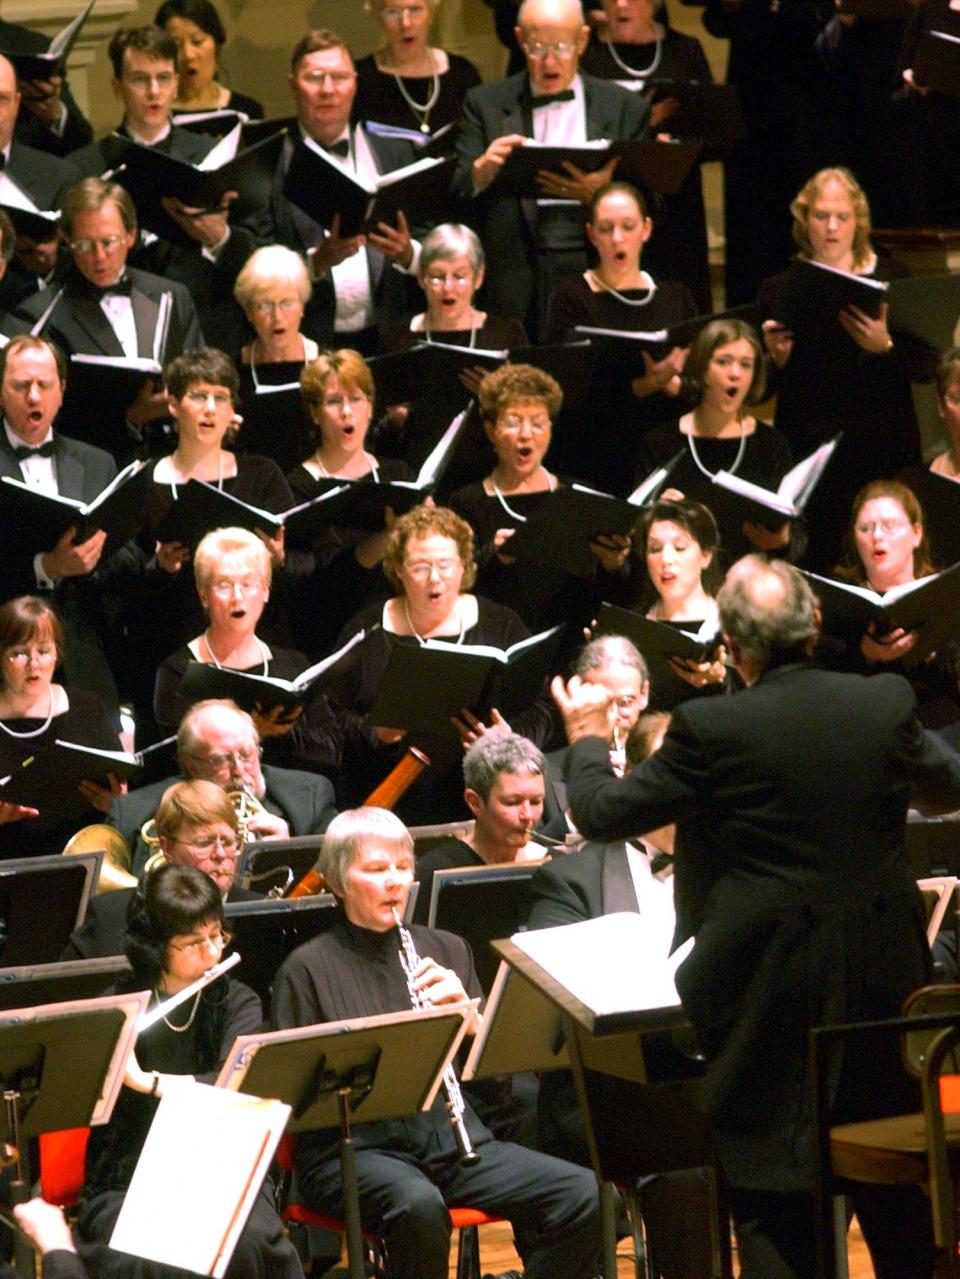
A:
(913, 1149)
(465, 1221)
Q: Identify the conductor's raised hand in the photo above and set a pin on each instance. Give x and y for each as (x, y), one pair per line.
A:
(588, 710)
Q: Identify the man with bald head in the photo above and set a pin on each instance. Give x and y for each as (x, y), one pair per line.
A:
(791, 874)
(534, 245)
(44, 178)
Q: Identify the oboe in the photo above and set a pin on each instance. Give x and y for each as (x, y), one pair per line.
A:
(410, 962)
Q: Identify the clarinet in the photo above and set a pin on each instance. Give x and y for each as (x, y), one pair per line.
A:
(409, 962)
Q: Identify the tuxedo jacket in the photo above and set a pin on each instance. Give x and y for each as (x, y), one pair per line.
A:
(304, 800)
(279, 224)
(792, 797)
(507, 226)
(45, 178)
(76, 131)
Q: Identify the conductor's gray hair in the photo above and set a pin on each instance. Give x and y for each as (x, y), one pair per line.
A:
(768, 608)
(494, 754)
(349, 832)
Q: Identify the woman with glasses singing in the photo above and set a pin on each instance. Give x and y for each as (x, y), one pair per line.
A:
(338, 393)
(233, 572)
(429, 562)
(406, 82)
(35, 712)
(174, 935)
(273, 290)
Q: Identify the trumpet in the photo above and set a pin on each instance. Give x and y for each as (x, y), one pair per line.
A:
(455, 1105)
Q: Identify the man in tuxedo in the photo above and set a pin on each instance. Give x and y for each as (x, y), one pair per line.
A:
(791, 874)
(200, 250)
(355, 288)
(534, 245)
(218, 742)
(100, 306)
(44, 178)
(49, 118)
(32, 382)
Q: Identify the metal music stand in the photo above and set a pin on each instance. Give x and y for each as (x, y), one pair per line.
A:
(48, 1085)
(42, 901)
(533, 1022)
(344, 1072)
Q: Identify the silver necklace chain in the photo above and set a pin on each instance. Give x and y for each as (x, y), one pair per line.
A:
(515, 515)
(178, 1030)
(416, 634)
(473, 330)
(608, 288)
(731, 470)
(637, 73)
(264, 660)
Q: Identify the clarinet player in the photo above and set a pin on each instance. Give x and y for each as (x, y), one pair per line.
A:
(409, 1170)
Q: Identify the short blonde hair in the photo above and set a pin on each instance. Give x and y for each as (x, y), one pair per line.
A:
(810, 193)
(346, 365)
(236, 544)
(269, 267)
(197, 803)
(426, 521)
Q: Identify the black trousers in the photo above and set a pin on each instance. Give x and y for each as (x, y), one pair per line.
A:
(406, 1201)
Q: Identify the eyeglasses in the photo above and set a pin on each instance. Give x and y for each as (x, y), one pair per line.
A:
(140, 80)
(337, 78)
(207, 843)
(285, 304)
(224, 589)
(216, 941)
(337, 403)
(221, 399)
(888, 527)
(516, 422)
(455, 281)
(412, 11)
(421, 569)
(21, 656)
(106, 242)
(217, 760)
(559, 48)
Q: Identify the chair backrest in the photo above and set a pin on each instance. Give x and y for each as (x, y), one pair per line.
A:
(938, 894)
(928, 1001)
(941, 1055)
(427, 837)
(62, 1156)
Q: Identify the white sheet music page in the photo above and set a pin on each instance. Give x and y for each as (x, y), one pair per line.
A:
(612, 964)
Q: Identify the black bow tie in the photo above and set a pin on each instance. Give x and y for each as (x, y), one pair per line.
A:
(341, 148)
(23, 451)
(121, 288)
(545, 99)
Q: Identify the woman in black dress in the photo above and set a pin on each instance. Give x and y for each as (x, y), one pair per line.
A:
(853, 377)
(34, 713)
(724, 376)
(343, 564)
(406, 82)
(200, 37)
(175, 934)
(619, 294)
(636, 52)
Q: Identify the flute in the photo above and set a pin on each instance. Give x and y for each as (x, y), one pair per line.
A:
(409, 962)
(148, 1019)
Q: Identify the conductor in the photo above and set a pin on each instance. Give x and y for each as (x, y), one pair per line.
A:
(792, 797)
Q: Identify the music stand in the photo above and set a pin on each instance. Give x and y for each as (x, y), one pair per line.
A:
(47, 1084)
(42, 901)
(480, 903)
(269, 929)
(266, 858)
(543, 1021)
(30, 985)
(355, 1071)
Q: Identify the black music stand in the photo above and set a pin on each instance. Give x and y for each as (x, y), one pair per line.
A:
(356, 1071)
(47, 1084)
(560, 1029)
(281, 862)
(29, 985)
(42, 901)
(480, 903)
(268, 929)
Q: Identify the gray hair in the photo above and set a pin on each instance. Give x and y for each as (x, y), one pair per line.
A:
(349, 832)
(768, 608)
(497, 753)
(451, 240)
(189, 734)
(610, 650)
(270, 267)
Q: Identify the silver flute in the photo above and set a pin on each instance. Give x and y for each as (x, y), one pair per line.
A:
(410, 962)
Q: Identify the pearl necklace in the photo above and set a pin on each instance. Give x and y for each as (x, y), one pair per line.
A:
(473, 330)
(608, 288)
(326, 475)
(636, 73)
(175, 482)
(33, 732)
(515, 515)
(253, 364)
(416, 634)
(264, 659)
(421, 113)
(178, 1030)
(731, 470)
